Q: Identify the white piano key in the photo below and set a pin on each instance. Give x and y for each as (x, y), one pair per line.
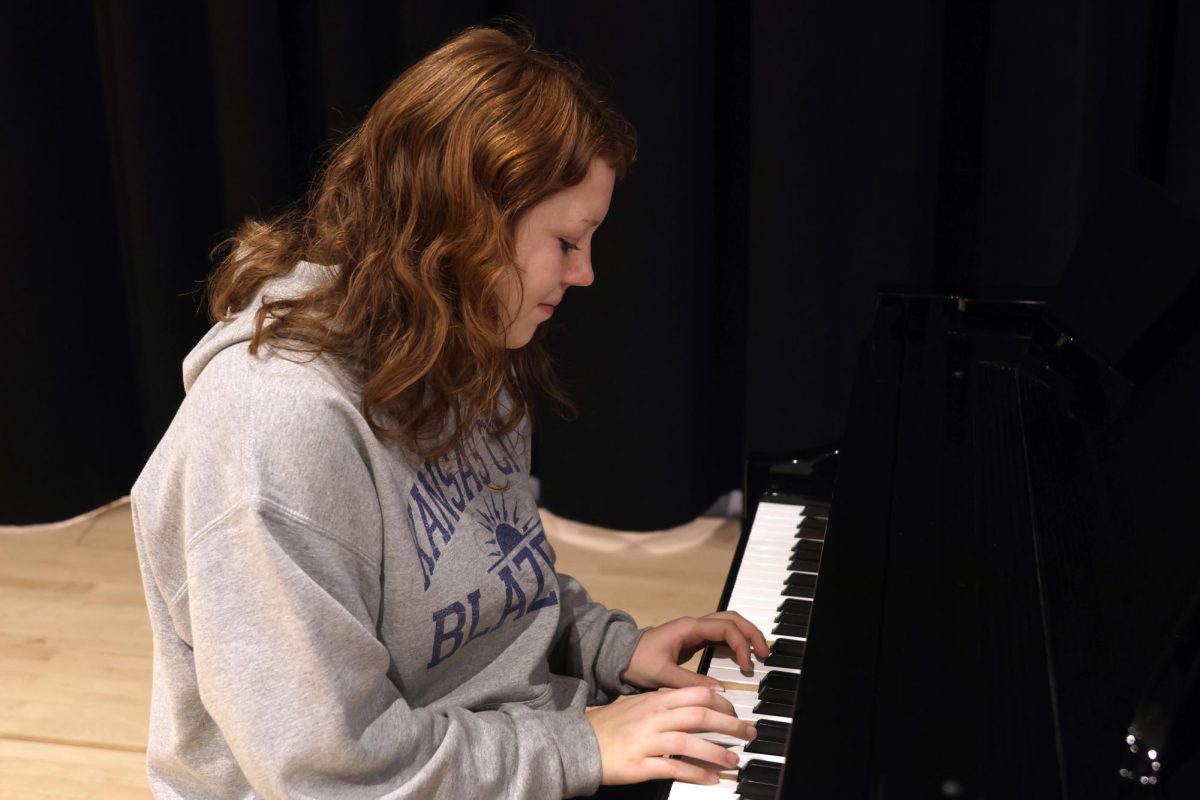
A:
(743, 705)
(738, 747)
(765, 585)
(770, 507)
(725, 789)
(735, 675)
(743, 756)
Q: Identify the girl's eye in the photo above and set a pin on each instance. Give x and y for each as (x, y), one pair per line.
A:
(567, 246)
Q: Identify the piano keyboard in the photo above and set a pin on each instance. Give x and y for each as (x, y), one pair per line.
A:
(773, 588)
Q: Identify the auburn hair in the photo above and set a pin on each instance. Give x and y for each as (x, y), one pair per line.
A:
(418, 208)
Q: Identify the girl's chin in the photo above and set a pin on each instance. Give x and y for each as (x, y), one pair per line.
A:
(518, 338)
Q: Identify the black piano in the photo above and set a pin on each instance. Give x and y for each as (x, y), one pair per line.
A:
(992, 587)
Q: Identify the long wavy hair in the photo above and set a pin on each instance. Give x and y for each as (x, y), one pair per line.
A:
(418, 208)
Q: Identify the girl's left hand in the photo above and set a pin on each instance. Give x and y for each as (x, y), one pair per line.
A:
(655, 662)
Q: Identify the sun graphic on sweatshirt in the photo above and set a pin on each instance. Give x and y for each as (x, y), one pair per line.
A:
(503, 530)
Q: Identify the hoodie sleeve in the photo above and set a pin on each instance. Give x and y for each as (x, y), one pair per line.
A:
(289, 667)
(594, 643)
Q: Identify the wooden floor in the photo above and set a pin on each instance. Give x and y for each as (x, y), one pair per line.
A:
(75, 639)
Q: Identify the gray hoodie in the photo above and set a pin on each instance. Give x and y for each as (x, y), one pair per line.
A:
(334, 618)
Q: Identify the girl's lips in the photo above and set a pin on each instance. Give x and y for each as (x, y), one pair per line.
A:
(546, 308)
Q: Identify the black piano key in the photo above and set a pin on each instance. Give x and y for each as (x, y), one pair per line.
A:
(759, 779)
(778, 694)
(786, 653)
(781, 696)
(799, 612)
(771, 739)
(815, 558)
(766, 748)
(789, 647)
(794, 606)
(800, 592)
(802, 580)
(780, 680)
(809, 527)
(803, 565)
(794, 630)
(816, 509)
(771, 731)
(788, 629)
(799, 618)
(808, 546)
(773, 708)
(788, 662)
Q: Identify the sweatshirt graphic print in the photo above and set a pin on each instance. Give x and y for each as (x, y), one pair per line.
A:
(447, 497)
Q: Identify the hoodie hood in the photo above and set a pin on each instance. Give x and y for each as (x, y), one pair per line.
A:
(302, 279)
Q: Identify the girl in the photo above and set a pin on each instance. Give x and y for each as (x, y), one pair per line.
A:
(350, 588)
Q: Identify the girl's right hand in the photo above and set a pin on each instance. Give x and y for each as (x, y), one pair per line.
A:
(637, 734)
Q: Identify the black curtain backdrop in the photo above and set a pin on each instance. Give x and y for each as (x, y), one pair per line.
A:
(794, 157)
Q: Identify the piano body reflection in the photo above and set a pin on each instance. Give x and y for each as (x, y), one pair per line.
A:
(996, 593)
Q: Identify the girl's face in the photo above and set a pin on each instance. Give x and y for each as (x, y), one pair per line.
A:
(554, 251)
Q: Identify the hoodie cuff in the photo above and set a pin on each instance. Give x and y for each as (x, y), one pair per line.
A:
(620, 640)
(578, 748)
